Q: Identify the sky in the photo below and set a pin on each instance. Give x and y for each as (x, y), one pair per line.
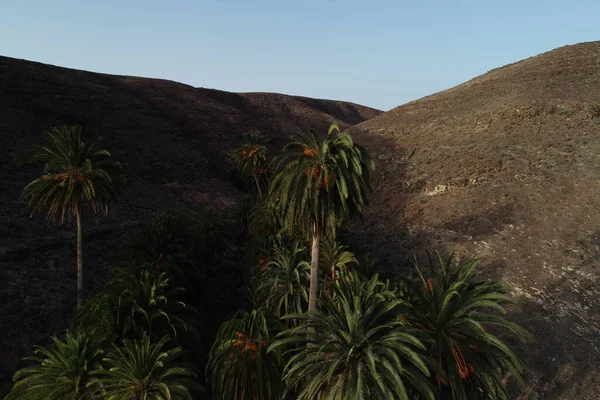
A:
(377, 53)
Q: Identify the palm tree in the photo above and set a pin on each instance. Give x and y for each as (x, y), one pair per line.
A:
(145, 370)
(252, 157)
(334, 258)
(359, 348)
(456, 311)
(147, 303)
(318, 186)
(137, 302)
(239, 366)
(61, 372)
(75, 173)
(283, 281)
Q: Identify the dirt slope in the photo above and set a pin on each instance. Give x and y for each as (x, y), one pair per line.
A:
(507, 167)
(175, 139)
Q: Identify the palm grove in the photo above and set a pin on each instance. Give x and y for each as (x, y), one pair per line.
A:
(262, 301)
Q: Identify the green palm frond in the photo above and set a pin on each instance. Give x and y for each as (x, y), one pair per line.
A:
(62, 371)
(264, 220)
(75, 173)
(320, 184)
(239, 366)
(282, 282)
(138, 300)
(335, 257)
(145, 370)
(369, 266)
(458, 315)
(355, 347)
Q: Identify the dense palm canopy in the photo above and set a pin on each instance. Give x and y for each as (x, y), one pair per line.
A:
(252, 158)
(62, 371)
(317, 187)
(440, 338)
(75, 173)
(145, 370)
(358, 348)
(240, 367)
(456, 312)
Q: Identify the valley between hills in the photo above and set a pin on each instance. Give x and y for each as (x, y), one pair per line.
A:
(504, 167)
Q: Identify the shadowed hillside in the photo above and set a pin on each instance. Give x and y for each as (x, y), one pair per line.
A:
(175, 140)
(507, 167)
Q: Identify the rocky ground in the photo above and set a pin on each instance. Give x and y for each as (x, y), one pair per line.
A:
(506, 167)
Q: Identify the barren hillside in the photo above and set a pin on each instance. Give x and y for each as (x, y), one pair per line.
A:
(175, 140)
(507, 167)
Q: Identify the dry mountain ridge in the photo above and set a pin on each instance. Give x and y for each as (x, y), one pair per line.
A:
(175, 140)
(506, 167)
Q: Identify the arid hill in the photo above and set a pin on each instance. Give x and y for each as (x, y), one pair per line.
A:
(175, 140)
(506, 167)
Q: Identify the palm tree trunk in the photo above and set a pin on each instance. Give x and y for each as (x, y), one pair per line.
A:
(79, 259)
(314, 271)
(260, 195)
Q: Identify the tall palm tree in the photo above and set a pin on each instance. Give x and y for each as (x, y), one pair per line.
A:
(61, 372)
(75, 173)
(252, 158)
(319, 185)
(359, 348)
(283, 281)
(455, 311)
(239, 367)
(145, 370)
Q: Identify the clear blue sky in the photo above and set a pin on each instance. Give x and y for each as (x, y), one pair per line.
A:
(377, 53)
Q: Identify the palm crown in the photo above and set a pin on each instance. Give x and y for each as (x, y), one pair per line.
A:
(60, 372)
(252, 157)
(455, 311)
(75, 173)
(145, 370)
(358, 347)
(321, 184)
(240, 367)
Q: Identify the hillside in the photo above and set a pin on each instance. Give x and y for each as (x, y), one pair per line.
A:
(175, 140)
(506, 167)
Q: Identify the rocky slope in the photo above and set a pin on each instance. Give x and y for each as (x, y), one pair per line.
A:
(506, 167)
(175, 140)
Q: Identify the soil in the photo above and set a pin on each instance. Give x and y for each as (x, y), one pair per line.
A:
(176, 141)
(506, 167)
